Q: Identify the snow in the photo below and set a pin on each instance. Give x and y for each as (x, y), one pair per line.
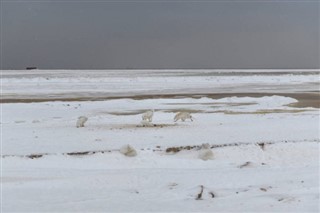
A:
(265, 152)
(101, 83)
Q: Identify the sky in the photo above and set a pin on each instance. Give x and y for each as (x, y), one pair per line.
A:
(160, 34)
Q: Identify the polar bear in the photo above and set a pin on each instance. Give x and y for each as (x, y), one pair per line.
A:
(147, 116)
(146, 123)
(81, 120)
(183, 116)
(205, 153)
(128, 150)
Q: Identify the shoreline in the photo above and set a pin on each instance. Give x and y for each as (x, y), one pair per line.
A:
(310, 99)
(153, 72)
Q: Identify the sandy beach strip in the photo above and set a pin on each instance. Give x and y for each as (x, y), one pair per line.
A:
(310, 99)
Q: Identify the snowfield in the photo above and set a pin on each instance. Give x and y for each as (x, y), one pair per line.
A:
(266, 150)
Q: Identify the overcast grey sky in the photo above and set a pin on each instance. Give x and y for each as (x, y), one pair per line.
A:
(159, 34)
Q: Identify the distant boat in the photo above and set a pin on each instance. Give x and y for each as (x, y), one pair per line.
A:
(31, 68)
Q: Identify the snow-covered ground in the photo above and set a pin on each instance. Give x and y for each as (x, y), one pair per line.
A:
(266, 152)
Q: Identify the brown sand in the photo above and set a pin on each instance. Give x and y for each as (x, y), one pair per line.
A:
(308, 99)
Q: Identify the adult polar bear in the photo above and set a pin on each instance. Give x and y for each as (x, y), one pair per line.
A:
(182, 116)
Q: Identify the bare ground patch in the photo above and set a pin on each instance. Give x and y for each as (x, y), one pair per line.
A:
(265, 111)
(138, 112)
(183, 110)
(173, 149)
(133, 112)
(214, 104)
(262, 145)
(135, 126)
(305, 99)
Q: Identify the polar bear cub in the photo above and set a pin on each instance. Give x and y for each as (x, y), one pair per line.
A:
(205, 153)
(81, 120)
(128, 150)
(148, 115)
(146, 123)
(182, 116)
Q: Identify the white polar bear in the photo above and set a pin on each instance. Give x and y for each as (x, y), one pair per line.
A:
(128, 150)
(81, 120)
(147, 116)
(205, 153)
(183, 116)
